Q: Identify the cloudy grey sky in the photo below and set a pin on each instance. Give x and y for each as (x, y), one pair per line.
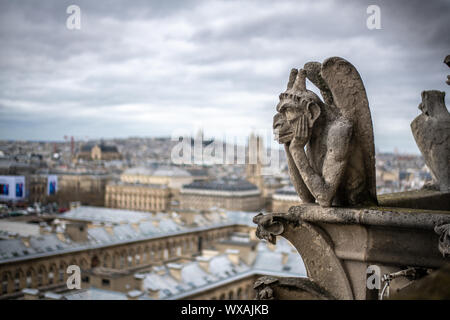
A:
(145, 68)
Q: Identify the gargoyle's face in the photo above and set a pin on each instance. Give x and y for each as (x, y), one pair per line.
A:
(282, 129)
(286, 120)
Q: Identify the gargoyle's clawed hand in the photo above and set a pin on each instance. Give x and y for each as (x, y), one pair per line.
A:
(301, 136)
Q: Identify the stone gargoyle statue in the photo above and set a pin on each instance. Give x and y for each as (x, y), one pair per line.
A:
(431, 130)
(338, 166)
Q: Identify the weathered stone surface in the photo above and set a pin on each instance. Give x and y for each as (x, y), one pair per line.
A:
(270, 288)
(435, 286)
(338, 244)
(416, 199)
(443, 230)
(431, 130)
(338, 167)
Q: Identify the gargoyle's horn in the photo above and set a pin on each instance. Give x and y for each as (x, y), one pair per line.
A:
(292, 77)
(300, 81)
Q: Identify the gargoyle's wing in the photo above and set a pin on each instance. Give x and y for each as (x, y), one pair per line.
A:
(349, 95)
(313, 74)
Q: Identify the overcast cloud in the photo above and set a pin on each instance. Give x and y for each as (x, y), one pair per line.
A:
(143, 68)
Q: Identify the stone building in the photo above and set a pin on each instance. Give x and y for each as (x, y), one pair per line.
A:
(128, 255)
(86, 187)
(171, 176)
(99, 152)
(89, 237)
(150, 189)
(213, 275)
(148, 197)
(238, 195)
(37, 188)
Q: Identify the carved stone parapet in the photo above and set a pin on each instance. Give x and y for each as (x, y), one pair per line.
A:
(338, 244)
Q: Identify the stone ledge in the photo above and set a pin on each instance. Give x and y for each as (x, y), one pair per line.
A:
(416, 199)
(375, 216)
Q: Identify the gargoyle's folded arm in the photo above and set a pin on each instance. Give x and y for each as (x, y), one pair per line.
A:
(324, 186)
(299, 185)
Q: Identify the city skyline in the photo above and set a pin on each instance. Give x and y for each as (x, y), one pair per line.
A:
(151, 69)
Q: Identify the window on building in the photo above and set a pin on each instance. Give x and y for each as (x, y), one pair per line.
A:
(5, 283)
(40, 278)
(17, 282)
(29, 279)
(105, 282)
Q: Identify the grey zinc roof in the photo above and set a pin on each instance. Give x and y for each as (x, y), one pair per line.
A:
(20, 228)
(47, 243)
(95, 294)
(222, 185)
(139, 171)
(287, 190)
(162, 171)
(269, 260)
(99, 235)
(165, 171)
(222, 270)
(42, 245)
(13, 248)
(194, 274)
(98, 214)
(241, 217)
(222, 266)
(124, 232)
(167, 225)
(147, 228)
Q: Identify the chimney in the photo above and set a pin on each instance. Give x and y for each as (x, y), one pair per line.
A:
(26, 241)
(153, 294)
(109, 228)
(233, 256)
(159, 270)
(134, 294)
(60, 236)
(139, 281)
(175, 270)
(77, 231)
(284, 257)
(203, 262)
(30, 294)
(209, 253)
(74, 205)
(44, 228)
(135, 226)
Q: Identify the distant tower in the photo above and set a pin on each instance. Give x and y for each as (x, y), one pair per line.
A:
(72, 147)
(253, 167)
